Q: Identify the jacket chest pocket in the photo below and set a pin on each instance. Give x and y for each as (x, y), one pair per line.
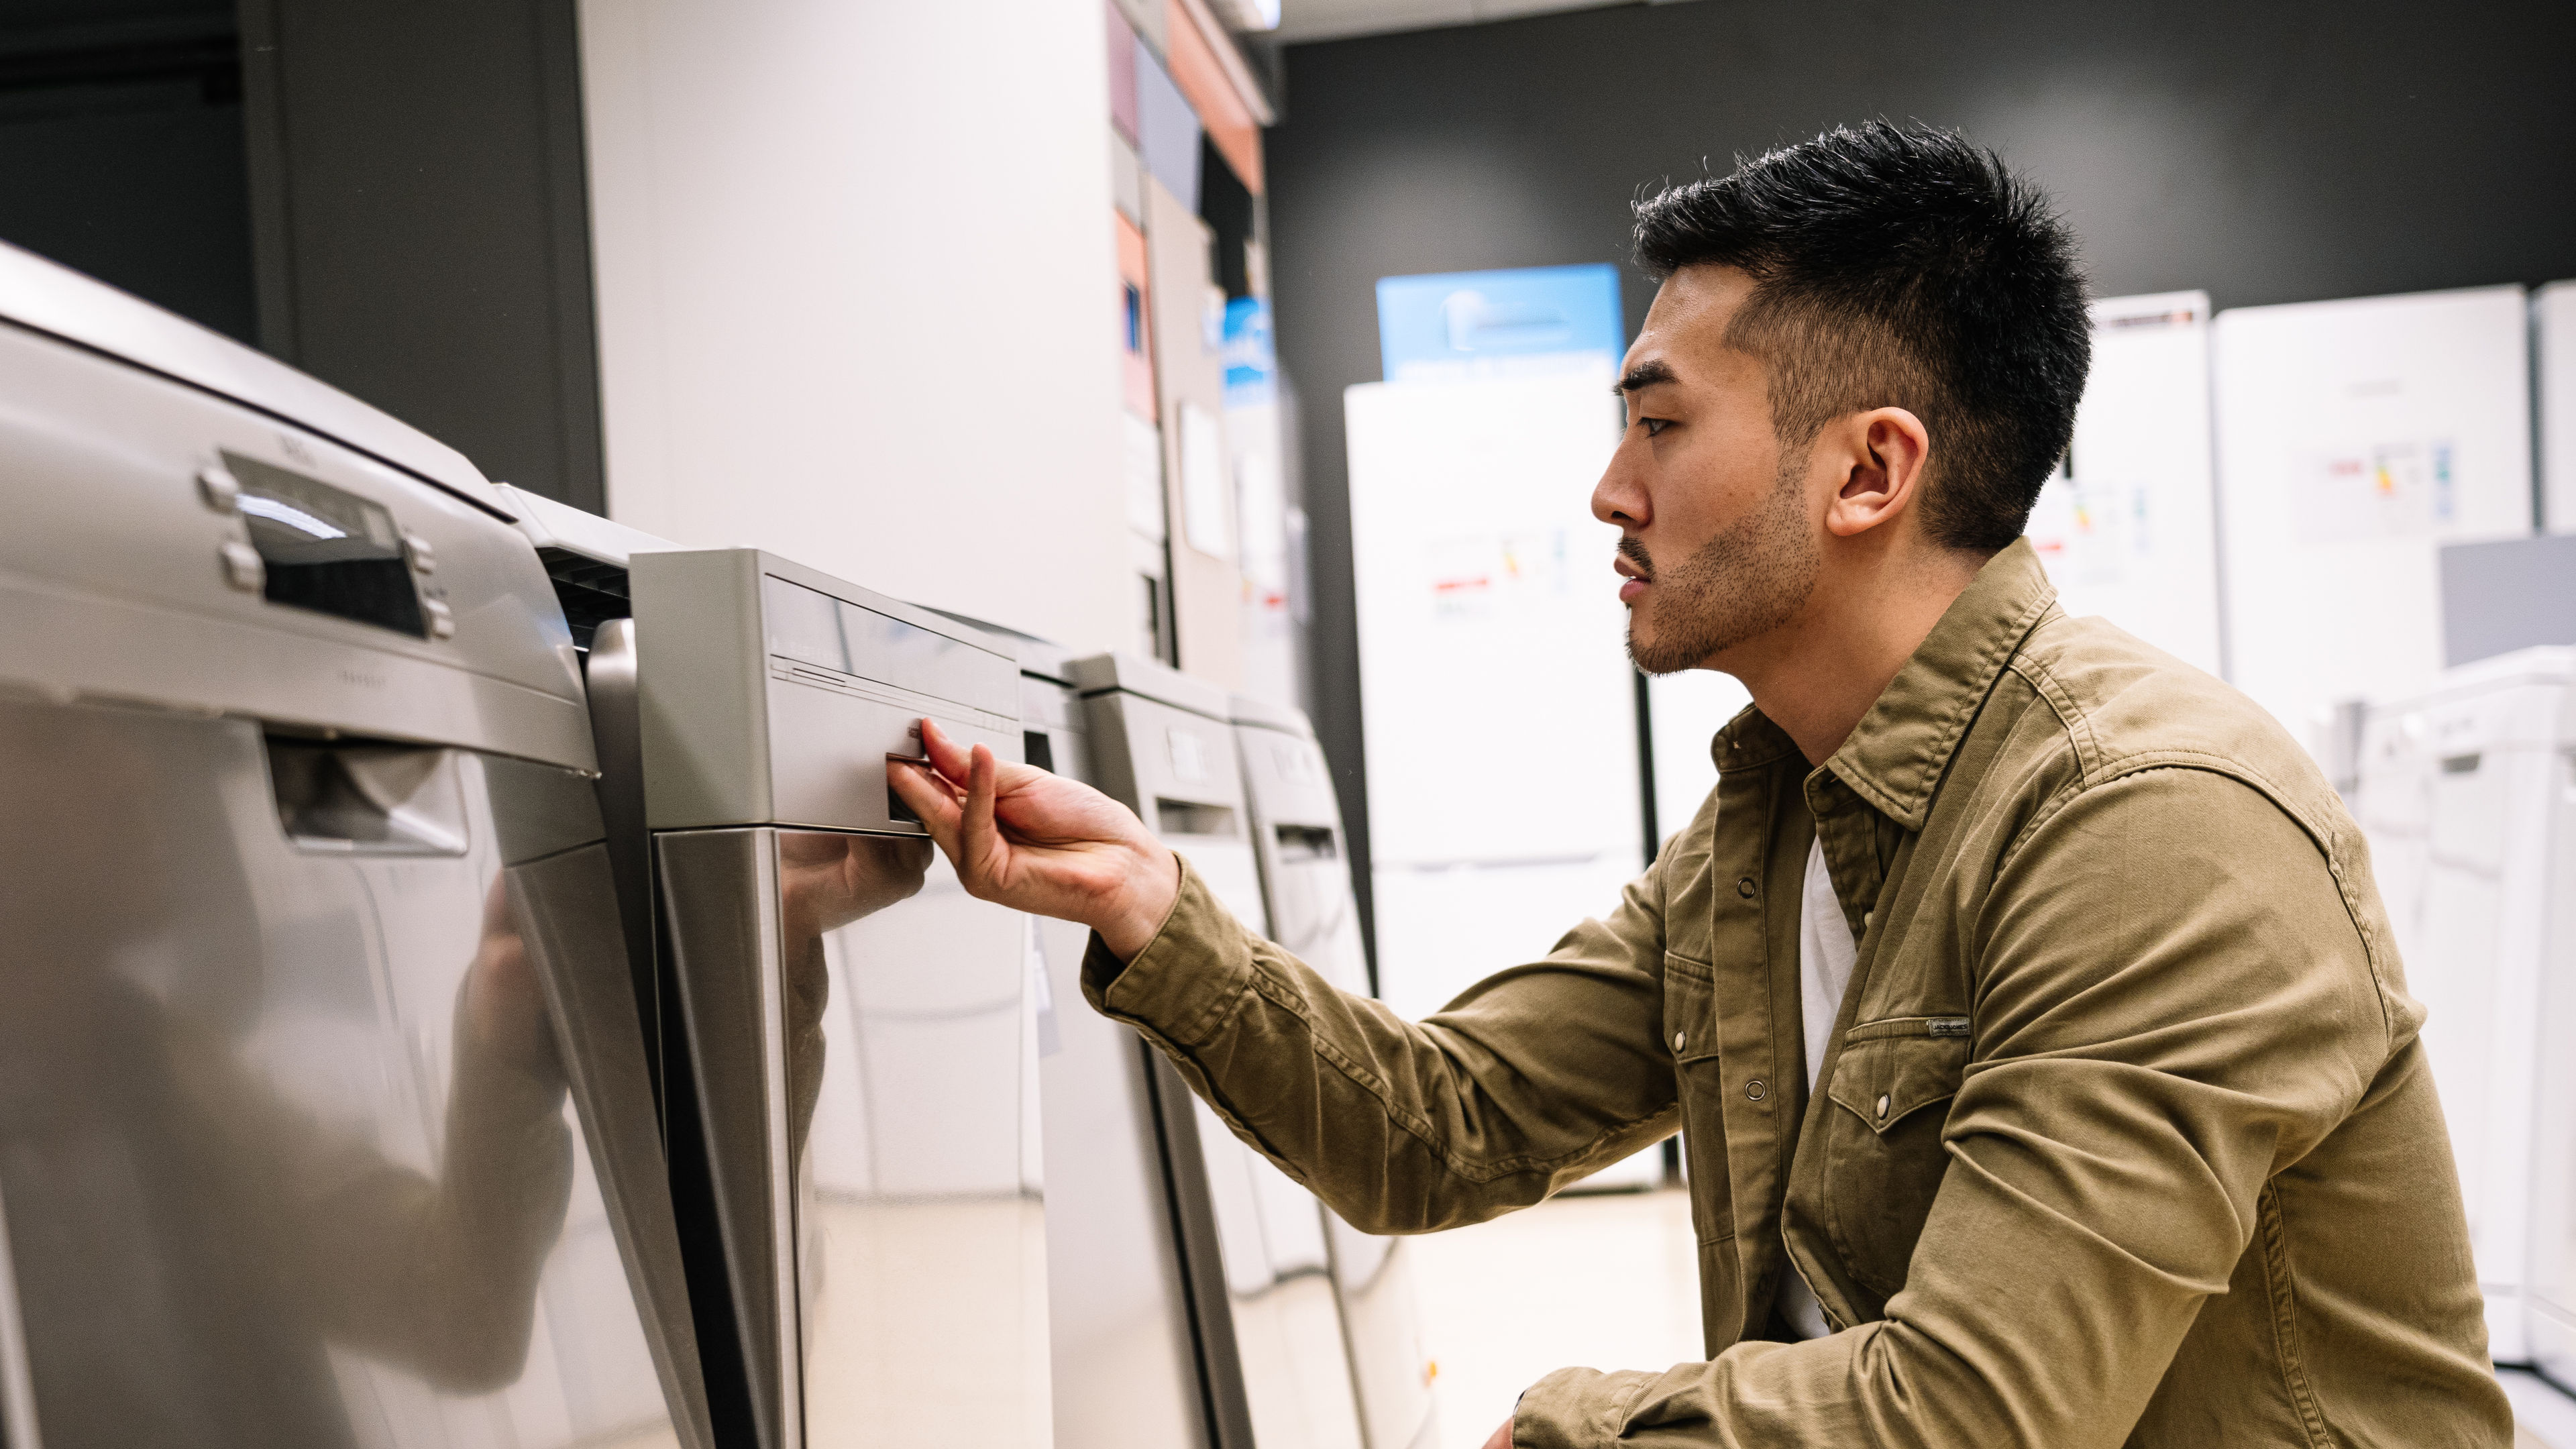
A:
(1690, 1032)
(1883, 1158)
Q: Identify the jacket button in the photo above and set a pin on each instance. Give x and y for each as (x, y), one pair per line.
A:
(1744, 887)
(1678, 1039)
(1754, 1090)
(1882, 1106)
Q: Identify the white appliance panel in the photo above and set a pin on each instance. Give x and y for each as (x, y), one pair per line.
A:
(2128, 531)
(2457, 796)
(2354, 438)
(2553, 346)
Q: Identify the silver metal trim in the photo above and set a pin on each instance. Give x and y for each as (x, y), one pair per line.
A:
(718, 897)
(17, 1383)
(617, 736)
(782, 1152)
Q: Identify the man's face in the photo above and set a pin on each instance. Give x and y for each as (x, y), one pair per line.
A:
(1718, 540)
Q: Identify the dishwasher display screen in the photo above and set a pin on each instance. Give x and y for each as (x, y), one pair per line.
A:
(327, 549)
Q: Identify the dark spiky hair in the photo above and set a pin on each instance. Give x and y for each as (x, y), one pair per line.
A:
(1900, 266)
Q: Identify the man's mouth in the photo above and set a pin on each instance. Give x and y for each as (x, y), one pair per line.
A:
(1634, 566)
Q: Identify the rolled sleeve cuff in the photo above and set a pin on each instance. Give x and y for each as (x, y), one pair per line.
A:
(1576, 1408)
(1187, 979)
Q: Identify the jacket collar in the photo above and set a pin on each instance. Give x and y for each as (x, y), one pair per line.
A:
(1897, 755)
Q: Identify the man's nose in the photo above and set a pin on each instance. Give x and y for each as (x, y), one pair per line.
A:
(1620, 497)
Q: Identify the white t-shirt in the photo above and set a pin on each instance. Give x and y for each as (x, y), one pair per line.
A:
(1826, 951)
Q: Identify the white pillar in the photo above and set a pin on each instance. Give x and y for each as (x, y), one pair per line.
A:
(856, 290)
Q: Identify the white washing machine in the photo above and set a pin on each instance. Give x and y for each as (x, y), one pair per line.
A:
(2550, 1317)
(2463, 795)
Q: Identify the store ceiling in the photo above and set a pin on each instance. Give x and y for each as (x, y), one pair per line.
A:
(1335, 19)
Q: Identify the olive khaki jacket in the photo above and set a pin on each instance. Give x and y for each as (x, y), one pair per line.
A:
(2124, 1135)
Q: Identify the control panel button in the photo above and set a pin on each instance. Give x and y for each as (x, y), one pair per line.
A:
(242, 567)
(442, 619)
(217, 486)
(423, 557)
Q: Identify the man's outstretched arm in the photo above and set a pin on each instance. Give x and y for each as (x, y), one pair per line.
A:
(1531, 1080)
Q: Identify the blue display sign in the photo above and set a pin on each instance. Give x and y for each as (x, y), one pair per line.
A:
(1250, 360)
(1475, 324)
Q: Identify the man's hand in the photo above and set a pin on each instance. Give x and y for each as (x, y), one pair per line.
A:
(1502, 1437)
(1038, 842)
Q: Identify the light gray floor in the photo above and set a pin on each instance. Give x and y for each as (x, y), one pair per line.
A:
(2545, 1411)
(1610, 1280)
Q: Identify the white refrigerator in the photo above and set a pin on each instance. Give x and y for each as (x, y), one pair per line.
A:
(2127, 529)
(2354, 438)
(1499, 719)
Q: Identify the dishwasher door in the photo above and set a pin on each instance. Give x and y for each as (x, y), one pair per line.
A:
(1314, 915)
(324, 1117)
(861, 1034)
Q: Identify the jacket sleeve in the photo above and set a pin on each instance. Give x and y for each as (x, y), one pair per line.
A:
(1530, 1080)
(2173, 1002)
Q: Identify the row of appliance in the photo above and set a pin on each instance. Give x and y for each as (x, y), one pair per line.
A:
(2467, 792)
(465, 980)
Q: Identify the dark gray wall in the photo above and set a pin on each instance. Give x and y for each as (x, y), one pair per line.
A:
(121, 149)
(2266, 152)
(421, 222)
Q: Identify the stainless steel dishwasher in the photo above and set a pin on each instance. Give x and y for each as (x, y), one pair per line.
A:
(324, 1109)
(860, 1037)
(1267, 1320)
(1296, 827)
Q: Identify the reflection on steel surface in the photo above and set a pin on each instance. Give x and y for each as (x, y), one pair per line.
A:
(860, 1031)
(285, 1132)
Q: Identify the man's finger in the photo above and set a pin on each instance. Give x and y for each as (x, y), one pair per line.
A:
(978, 841)
(928, 798)
(945, 757)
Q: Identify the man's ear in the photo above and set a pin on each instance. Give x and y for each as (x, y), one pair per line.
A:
(1886, 451)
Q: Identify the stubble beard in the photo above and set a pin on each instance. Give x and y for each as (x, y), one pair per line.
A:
(1754, 576)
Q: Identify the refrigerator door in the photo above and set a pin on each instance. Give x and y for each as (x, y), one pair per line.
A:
(1306, 876)
(1473, 568)
(323, 1111)
(2355, 438)
(2127, 527)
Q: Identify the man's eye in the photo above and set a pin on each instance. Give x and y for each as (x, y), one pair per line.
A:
(1654, 426)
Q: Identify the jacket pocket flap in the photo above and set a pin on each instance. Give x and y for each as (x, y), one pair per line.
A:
(1883, 1079)
(1690, 1009)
